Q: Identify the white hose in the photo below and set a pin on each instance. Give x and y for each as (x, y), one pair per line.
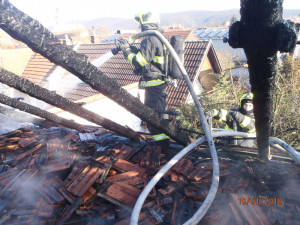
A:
(213, 189)
(213, 151)
(294, 154)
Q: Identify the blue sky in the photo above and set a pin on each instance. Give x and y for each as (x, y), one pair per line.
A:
(47, 11)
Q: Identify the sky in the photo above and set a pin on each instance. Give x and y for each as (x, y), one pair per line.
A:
(48, 11)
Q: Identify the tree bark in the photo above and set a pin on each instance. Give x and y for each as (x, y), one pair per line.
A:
(21, 117)
(261, 33)
(31, 32)
(39, 112)
(51, 98)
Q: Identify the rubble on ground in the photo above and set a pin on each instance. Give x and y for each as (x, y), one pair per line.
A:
(62, 176)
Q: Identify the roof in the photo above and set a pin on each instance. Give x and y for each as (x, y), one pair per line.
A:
(224, 50)
(118, 68)
(212, 33)
(188, 35)
(64, 176)
(38, 69)
(15, 60)
(194, 55)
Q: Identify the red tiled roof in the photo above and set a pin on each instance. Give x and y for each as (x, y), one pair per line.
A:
(116, 68)
(193, 56)
(38, 69)
(121, 70)
(188, 35)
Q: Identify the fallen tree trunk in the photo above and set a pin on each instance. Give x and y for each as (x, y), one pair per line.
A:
(39, 112)
(261, 33)
(52, 98)
(23, 28)
(21, 117)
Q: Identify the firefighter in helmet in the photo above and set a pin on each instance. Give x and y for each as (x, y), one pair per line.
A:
(243, 117)
(149, 63)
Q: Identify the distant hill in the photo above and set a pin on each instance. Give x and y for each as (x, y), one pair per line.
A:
(188, 19)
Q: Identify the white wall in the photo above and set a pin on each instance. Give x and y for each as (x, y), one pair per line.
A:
(110, 110)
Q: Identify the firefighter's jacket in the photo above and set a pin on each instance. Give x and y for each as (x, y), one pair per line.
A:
(244, 123)
(149, 60)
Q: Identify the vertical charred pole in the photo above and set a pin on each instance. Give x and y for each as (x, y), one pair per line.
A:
(261, 32)
(39, 112)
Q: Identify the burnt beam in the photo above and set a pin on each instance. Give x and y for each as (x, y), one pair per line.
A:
(261, 32)
(51, 98)
(21, 117)
(39, 112)
(23, 28)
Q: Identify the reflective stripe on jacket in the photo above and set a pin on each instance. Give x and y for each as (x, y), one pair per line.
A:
(150, 58)
(244, 123)
(160, 137)
(152, 83)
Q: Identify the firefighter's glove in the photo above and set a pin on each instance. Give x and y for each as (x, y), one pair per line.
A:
(208, 114)
(233, 115)
(134, 49)
(137, 70)
(124, 44)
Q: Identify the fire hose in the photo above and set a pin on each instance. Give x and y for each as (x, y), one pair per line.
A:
(215, 180)
(196, 218)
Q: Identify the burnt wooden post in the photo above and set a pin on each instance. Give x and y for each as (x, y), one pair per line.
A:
(261, 32)
(23, 28)
(39, 112)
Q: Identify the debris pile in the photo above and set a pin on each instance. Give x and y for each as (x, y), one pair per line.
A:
(61, 176)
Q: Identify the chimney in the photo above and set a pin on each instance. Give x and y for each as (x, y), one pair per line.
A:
(93, 35)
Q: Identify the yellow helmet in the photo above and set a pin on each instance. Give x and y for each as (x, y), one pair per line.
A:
(246, 97)
(146, 18)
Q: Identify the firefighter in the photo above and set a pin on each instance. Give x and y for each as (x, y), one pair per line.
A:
(243, 117)
(149, 63)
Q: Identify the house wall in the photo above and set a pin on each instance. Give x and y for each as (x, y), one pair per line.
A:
(296, 54)
(15, 60)
(207, 77)
(197, 88)
(110, 110)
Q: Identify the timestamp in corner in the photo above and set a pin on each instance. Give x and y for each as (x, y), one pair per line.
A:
(260, 201)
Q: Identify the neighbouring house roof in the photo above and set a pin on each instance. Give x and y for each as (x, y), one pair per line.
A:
(224, 50)
(15, 60)
(212, 33)
(188, 35)
(38, 69)
(118, 68)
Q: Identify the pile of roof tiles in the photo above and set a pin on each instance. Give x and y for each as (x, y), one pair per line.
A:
(61, 176)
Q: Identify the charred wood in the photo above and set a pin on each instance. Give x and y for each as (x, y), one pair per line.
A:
(21, 117)
(54, 99)
(25, 29)
(261, 33)
(39, 112)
